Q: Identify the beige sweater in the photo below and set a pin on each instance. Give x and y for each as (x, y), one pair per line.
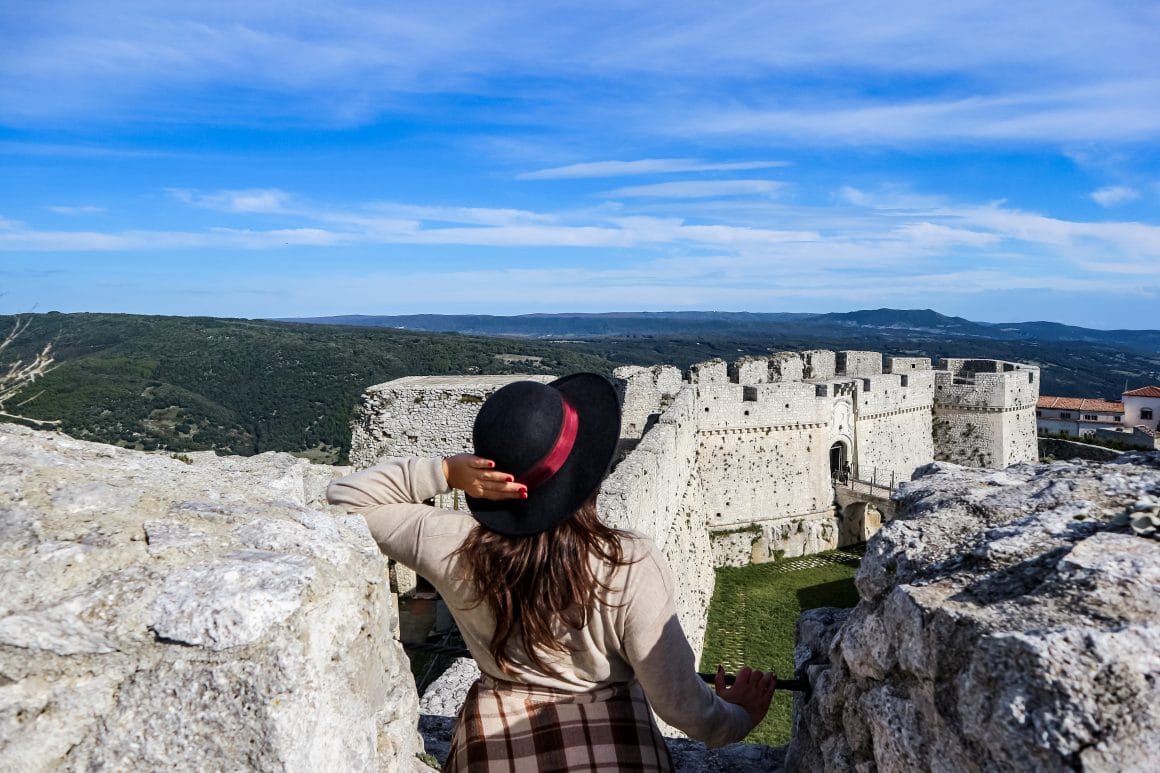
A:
(634, 633)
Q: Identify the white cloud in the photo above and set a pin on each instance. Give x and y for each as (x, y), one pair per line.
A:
(642, 167)
(75, 210)
(937, 236)
(890, 243)
(890, 199)
(697, 189)
(1086, 70)
(1123, 111)
(251, 201)
(1113, 195)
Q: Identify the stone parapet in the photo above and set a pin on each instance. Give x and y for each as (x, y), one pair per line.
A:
(1007, 622)
(191, 613)
(421, 415)
(645, 393)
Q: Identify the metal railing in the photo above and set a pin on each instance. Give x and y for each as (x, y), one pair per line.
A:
(871, 485)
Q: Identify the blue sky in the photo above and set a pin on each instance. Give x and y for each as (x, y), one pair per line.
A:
(994, 160)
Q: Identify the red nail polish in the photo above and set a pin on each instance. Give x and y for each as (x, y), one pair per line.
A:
(523, 495)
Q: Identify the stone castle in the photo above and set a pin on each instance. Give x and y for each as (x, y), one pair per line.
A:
(770, 457)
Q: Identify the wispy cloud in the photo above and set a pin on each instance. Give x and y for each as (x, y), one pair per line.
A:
(696, 189)
(1086, 70)
(1122, 111)
(252, 201)
(1113, 195)
(84, 209)
(644, 166)
(889, 230)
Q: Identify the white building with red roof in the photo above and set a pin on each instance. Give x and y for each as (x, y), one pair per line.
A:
(1077, 416)
(1142, 407)
(1135, 421)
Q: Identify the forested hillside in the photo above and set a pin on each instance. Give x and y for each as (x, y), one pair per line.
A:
(241, 386)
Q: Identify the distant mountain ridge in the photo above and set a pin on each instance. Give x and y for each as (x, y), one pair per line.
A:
(924, 322)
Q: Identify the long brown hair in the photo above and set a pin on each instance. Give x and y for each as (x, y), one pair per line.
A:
(530, 582)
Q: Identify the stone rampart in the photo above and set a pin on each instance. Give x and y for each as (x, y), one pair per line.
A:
(654, 490)
(984, 412)
(819, 364)
(1058, 448)
(894, 425)
(645, 393)
(848, 363)
(786, 366)
(906, 364)
(420, 415)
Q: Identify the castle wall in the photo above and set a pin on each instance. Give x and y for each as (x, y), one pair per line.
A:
(763, 466)
(984, 413)
(849, 363)
(818, 364)
(421, 415)
(906, 364)
(786, 366)
(645, 393)
(714, 371)
(893, 425)
(653, 490)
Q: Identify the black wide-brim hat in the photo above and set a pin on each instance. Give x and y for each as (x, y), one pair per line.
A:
(558, 439)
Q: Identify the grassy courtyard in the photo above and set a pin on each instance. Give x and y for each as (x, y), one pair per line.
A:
(752, 616)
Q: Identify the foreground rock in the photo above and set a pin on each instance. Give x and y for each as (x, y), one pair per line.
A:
(191, 613)
(1009, 621)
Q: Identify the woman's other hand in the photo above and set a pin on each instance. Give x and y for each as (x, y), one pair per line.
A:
(751, 690)
(478, 477)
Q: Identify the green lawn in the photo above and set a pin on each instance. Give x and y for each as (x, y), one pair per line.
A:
(752, 616)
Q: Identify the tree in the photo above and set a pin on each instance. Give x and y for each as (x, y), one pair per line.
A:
(20, 374)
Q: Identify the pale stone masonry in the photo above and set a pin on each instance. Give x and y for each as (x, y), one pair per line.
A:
(737, 463)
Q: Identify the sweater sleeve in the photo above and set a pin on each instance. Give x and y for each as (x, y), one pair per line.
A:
(388, 496)
(659, 653)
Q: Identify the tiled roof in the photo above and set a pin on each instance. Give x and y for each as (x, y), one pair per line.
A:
(1092, 404)
(1148, 391)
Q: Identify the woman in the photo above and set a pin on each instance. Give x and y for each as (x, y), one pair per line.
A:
(571, 622)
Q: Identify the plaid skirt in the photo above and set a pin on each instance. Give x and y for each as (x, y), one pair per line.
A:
(505, 727)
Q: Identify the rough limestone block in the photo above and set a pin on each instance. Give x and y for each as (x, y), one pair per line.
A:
(714, 371)
(852, 363)
(904, 365)
(1009, 621)
(819, 364)
(645, 393)
(159, 615)
(786, 366)
(750, 370)
(421, 415)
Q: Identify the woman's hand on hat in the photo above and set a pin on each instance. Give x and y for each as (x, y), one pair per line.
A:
(477, 477)
(751, 690)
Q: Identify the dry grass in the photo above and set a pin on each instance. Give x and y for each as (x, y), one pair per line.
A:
(21, 374)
